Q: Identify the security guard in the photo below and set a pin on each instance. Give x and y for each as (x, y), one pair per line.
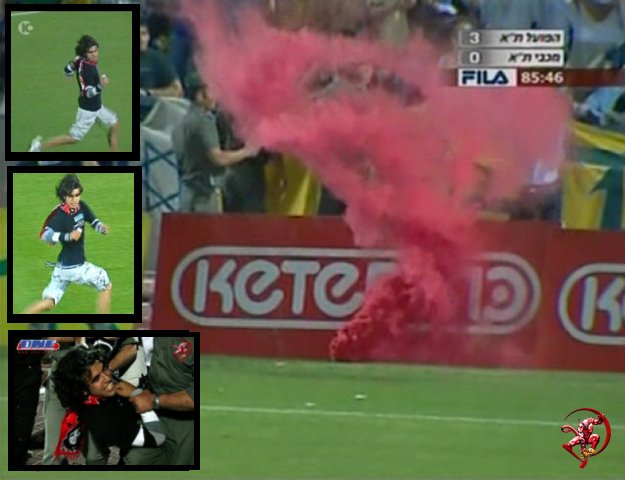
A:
(172, 397)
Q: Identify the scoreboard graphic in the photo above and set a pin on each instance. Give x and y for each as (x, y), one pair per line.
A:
(523, 58)
(510, 58)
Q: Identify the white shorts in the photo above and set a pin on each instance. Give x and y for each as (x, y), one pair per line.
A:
(85, 120)
(85, 274)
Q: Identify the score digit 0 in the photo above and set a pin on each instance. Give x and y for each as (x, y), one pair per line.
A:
(475, 57)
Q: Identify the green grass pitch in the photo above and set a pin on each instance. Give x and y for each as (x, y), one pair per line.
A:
(43, 102)
(111, 197)
(266, 419)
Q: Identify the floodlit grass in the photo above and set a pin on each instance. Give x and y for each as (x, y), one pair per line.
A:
(263, 419)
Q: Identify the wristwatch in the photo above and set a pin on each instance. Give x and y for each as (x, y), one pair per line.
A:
(156, 403)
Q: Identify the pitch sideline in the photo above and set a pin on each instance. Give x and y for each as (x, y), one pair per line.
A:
(392, 416)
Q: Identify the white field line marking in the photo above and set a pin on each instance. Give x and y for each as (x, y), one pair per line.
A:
(393, 416)
(17, 14)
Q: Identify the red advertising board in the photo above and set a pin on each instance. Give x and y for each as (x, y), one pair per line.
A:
(281, 287)
(585, 300)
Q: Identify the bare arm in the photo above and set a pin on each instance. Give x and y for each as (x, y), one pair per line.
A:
(226, 158)
(124, 389)
(124, 357)
(178, 401)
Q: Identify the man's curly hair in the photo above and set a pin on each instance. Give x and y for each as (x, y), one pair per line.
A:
(67, 185)
(72, 373)
(84, 44)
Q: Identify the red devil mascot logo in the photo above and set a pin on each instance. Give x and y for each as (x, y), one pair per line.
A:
(585, 437)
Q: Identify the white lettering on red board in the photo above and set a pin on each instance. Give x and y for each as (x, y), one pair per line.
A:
(247, 279)
(600, 318)
(246, 287)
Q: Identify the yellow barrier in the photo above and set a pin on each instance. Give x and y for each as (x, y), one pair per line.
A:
(593, 186)
(592, 197)
(292, 189)
(593, 137)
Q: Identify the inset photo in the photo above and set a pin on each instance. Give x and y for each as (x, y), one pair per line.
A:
(71, 76)
(113, 399)
(72, 241)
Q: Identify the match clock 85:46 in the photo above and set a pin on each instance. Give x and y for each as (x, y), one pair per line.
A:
(540, 77)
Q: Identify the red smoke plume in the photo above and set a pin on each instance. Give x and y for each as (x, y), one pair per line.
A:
(380, 130)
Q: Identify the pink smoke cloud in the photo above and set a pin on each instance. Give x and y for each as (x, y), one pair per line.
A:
(405, 171)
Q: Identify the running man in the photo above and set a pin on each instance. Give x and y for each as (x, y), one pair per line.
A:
(90, 108)
(65, 225)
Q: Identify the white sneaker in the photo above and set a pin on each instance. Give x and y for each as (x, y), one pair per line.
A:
(35, 145)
